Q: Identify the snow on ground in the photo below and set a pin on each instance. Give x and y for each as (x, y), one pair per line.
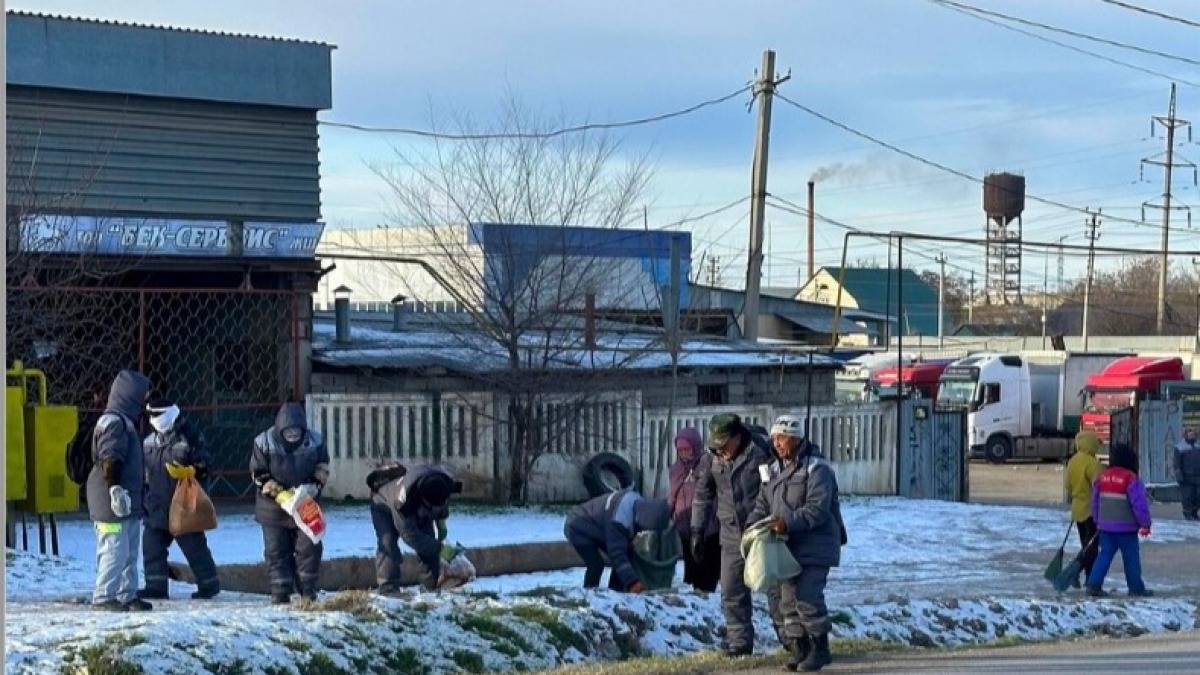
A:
(923, 573)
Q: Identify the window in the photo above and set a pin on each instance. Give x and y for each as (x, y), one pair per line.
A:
(991, 393)
(712, 394)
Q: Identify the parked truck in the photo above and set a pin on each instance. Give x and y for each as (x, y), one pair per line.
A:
(1125, 383)
(1019, 406)
(920, 380)
(852, 384)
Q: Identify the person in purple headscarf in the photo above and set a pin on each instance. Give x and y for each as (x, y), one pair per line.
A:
(704, 571)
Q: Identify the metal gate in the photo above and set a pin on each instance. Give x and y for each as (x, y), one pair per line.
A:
(932, 456)
(229, 358)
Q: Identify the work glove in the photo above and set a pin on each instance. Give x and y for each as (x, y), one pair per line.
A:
(1144, 532)
(637, 587)
(778, 526)
(698, 547)
(271, 488)
(442, 530)
(179, 472)
(119, 501)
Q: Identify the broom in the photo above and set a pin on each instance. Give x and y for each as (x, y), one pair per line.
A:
(1071, 573)
(1055, 567)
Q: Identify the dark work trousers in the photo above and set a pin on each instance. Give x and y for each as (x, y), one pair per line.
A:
(388, 559)
(702, 575)
(418, 534)
(155, 546)
(802, 599)
(737, 601)
(293, 560)
(1087, 530)
(1189, 494)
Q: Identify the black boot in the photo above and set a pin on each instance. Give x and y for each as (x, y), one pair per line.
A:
(206, 593)
(281, 598)
(798, 651)
(152, 594)
(819, 657)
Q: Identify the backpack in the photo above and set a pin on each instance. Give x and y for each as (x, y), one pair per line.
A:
(79, 451)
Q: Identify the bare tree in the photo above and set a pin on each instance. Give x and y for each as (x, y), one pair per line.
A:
(529, 295)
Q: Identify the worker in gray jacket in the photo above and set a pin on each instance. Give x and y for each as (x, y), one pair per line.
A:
(175, 450)
(114, 494)
(731, 484)
(801, 498)
(1187, 473)
(284, 457)
(605, 526)
(409, 506)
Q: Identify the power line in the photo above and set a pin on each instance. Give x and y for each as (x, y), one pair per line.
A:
(1065, 31)
(1079, 50)
(942, 167)
(1153, 12)
(423, 133)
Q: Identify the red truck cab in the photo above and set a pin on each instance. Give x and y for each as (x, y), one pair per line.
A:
(1124, 383)
(920, 380)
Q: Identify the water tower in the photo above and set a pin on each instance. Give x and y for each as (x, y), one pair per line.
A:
(1003, 202)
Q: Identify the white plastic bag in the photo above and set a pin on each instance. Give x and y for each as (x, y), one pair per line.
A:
(301, 504)
(457, 569)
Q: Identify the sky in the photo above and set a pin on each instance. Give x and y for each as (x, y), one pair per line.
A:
(948, 87)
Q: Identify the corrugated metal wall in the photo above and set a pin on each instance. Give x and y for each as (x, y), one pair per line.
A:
(110, 154)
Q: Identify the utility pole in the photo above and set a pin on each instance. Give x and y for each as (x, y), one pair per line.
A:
(1167, 161)
(971, 299)
(714, 271)
(1092, 236)
(811, 231)
(941, 301)
(764, 90)
(1045, 291)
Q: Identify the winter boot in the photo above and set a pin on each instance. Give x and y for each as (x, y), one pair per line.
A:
(798, 650)
(205, 593)
(1096, 592)
(737, 652)
(1144, 593)
(281, 598)
(819, 657)
(138, 605)
(109, 606)
(152, 594)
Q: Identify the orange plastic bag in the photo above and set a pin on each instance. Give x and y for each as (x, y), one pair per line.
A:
(191, 509)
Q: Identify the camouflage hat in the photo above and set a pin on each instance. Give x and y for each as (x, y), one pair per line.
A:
(721, 428)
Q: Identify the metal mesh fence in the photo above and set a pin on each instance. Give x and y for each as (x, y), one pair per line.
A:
(229, 358)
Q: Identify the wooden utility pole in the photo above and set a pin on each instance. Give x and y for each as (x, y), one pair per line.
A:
(1168, 163)
(764, 89)
(1092, 236)
(941, 301)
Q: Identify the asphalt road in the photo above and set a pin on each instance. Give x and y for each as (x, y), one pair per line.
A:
(1158, 654)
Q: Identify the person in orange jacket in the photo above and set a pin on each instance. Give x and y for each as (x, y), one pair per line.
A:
(1122, 512)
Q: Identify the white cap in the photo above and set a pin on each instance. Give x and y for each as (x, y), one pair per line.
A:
(788, 425)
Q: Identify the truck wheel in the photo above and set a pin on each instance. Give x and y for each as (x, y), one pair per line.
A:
(999, 449)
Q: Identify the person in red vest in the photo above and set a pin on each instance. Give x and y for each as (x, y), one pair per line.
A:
(1122, 512)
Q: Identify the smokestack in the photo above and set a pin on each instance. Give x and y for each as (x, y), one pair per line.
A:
(811, 233)
(341, 314)
(399, 314)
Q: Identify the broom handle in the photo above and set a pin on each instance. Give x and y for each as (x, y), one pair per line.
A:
(1067, 535)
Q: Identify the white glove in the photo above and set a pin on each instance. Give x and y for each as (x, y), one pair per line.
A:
(119, 501)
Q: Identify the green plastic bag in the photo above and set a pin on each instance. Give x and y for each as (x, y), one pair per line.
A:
(768, 560)
(654, 556)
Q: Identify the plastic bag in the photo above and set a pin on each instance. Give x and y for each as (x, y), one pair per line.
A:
(768, 560)
(301, 504)
(456, 568)
(191, 509)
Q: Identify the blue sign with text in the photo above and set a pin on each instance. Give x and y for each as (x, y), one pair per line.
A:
(148, 236)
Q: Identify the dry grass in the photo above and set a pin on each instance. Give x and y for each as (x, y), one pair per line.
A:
(357, 603)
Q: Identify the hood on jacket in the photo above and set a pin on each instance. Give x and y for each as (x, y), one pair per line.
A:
(291, 416)
(651, 514)
(437, 487)
(1087, 443)
(691, 436)
(127, 395)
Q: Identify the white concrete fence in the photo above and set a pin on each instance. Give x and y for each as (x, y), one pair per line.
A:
(468, 433)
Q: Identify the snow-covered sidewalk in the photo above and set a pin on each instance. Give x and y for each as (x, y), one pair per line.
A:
(917, 572)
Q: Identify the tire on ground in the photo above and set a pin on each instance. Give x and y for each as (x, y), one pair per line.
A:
(606, 472)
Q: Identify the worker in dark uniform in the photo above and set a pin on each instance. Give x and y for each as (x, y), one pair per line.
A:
(287, 456)
(410, 506)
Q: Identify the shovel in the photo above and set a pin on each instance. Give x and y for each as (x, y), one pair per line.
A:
(1071, 573)
(1055, 567)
